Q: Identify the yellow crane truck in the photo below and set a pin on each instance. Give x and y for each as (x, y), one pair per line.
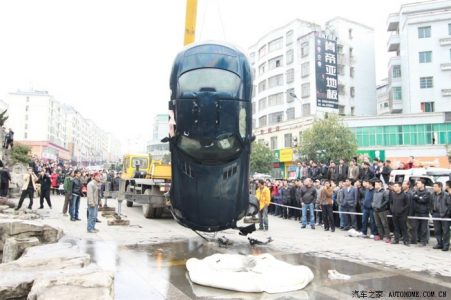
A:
(144, 181)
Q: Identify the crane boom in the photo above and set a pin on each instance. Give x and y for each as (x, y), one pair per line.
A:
(190, 21)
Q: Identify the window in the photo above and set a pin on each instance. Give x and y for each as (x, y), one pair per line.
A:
(275, 63)
(305, 90)
(221, 148)
(262, 86)
(352, 110)
(351, 72)
(275, 45)
(426, 82)
(306, 110)
(262, 51)
(288, 140)
(290, 75)
(424, 32)
(276, 99)
(275, 118)
(425, 57)
(339, 49)
(305, 69)
(275, 81)
(341, 110)
(26, 108)
(304, 49)
(290, 56)
(385, 104)
(274, 143)
(397, 93)
(396, 71)
(341, 70)
(261, 69)
(352, 91)
(262, 121)
(350, 33)
(261, 104)
(289, 37)
(427, 106)
(351, 52)
(290, 113)
(25, 135)
(217, 79)
(290, 93)
(341, 90)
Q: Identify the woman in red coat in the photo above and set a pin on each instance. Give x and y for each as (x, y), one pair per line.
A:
(54, 181)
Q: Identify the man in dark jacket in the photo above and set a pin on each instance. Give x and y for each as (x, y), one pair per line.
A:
(365, 172)
(367, 209)
(76, 193)
(315, 172)
(5, 178)
(332, 173)
(386, 170)
(423, 204)
(381, 209)
(45, 182)
(285, 196)
(349, 202)
(308, 196)
(342, 171)
(441, 203)
(399, 206)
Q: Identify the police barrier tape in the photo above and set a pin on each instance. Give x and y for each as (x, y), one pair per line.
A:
(360, 214)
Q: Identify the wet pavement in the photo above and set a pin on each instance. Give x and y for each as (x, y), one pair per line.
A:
(157, 271)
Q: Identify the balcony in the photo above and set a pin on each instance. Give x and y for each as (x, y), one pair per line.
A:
(396, 106)
(446, 92)
(394, 61)
(393, 43)
(445, 42)
(393, 22)
(445, 67)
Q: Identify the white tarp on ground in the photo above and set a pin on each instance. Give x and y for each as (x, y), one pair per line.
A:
(262, 273)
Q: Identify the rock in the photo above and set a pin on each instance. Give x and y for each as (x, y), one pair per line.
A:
(7, 202)
(3, 207)
(24, 229)
(97, 285)
(17, 173)
(115, 221)
(14, 247)
(47, 261)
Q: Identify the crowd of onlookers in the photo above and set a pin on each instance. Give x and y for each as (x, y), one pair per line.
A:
(359, 196)
(48, 177)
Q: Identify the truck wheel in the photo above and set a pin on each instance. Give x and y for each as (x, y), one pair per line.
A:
(151, 212)
(129, 203)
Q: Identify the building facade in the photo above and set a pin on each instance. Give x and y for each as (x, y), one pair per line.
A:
(419, 73)
(160, 130)
(285, 67)
(55, 130)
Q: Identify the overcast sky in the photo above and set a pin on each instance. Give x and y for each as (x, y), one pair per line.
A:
(111, 59)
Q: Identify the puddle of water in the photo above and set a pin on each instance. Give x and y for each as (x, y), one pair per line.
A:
(158, 271)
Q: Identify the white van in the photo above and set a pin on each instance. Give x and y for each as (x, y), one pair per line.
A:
(430, 175)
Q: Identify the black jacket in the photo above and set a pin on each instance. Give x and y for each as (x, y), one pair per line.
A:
(308, 195)
(332, 174)
(315, 173)
(45, 182)
(441, 204)
(423, 202)
(386, 174)
(365, 174)
(341, 176)
(76, 186)
(399, 204)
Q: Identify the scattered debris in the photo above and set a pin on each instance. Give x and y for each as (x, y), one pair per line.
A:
(334, 275)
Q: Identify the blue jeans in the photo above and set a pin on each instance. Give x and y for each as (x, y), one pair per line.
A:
(263, 217)
(74, 206)
(92, 216)
(311, 207)
(347, 217)
(342, 219)
(368, 213)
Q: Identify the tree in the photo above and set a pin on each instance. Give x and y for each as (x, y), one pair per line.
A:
(20, 153)
(3, 118)
(261, 158)
(328, 139)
